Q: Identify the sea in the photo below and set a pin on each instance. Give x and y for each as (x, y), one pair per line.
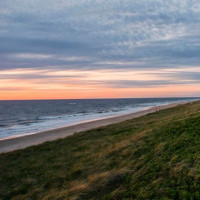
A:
(23, 117)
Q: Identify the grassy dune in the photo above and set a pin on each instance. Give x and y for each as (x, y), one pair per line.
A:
(156, 156)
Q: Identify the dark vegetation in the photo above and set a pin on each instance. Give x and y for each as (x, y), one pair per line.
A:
(156, 156)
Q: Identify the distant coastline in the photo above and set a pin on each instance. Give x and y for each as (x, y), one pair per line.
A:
(15, 143)
(20, 118)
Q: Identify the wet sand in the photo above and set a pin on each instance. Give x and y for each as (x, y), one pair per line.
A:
(22, 142)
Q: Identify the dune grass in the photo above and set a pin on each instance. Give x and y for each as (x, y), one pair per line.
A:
(156, 156)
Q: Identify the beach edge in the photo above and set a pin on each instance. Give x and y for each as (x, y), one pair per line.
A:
(12, 144)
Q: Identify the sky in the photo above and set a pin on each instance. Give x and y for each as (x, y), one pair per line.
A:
(58, 49)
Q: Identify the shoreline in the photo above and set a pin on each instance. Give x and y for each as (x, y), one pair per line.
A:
(24, 141)
(76, 123)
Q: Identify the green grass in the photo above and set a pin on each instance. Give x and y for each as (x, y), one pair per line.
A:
(156, 156)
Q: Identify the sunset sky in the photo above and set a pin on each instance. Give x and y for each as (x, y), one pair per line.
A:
(58, 49)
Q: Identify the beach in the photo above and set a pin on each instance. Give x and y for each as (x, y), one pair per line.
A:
(22, 142)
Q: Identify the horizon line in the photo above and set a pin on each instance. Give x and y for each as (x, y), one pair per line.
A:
(101, 98)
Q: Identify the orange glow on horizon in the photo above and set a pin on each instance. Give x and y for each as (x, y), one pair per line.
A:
(46, 84)
(179, 91)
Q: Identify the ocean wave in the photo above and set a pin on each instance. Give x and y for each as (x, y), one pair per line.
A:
(46, 122)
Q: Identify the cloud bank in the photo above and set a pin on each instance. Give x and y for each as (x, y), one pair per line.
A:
(102, 35)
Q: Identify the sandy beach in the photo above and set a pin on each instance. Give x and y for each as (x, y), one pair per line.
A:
(21, 142)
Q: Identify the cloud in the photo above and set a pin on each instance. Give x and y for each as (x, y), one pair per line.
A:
(34, 76)
(96, 35)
